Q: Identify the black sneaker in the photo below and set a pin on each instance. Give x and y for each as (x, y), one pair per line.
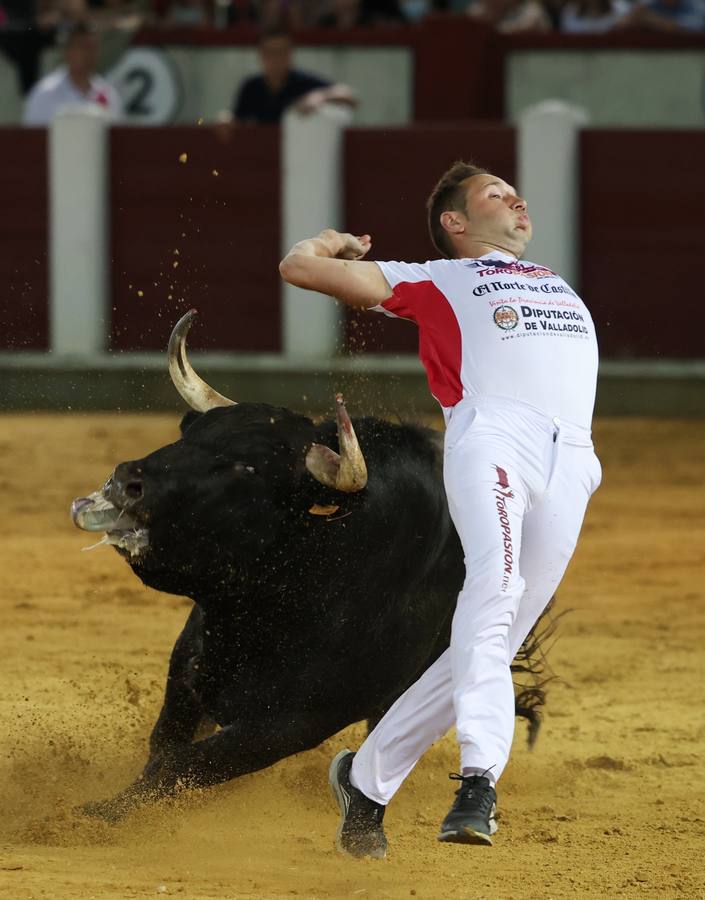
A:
(471, 819)
(360, 833)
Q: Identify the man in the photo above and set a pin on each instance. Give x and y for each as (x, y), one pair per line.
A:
(74, 83)
(510, 354)
(671, 16)
(263, 99)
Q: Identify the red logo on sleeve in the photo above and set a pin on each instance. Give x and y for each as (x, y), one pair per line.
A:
(502, 479)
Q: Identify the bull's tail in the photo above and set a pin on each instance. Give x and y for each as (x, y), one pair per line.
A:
(532, 667)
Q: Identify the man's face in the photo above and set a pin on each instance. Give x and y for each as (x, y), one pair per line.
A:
(82, 54)
(495, 214)
(275, 53)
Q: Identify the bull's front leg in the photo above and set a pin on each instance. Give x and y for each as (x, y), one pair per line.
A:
(237, 749)
(179, 720)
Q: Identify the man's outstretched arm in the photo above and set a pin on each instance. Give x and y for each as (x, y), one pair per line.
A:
(332, 263)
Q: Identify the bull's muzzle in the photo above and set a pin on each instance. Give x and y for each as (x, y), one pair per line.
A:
(126, 487)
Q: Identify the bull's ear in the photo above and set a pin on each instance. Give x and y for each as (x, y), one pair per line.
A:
(188, 420)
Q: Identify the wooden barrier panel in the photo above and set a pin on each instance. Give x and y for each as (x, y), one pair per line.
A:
(389, 173)
(195, 223)
(643, 240)
(24, 305)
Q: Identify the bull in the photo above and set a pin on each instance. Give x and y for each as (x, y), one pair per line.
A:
(323, 581)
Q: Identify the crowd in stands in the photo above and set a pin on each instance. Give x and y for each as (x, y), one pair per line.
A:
(50, 16)
(81, 26)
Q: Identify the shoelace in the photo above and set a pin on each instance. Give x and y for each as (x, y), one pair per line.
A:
(481, 800)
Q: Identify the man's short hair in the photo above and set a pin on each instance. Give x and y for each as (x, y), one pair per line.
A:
(448, 194)
(74, 30)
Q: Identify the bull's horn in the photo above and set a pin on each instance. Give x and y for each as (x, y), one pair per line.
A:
(199, 395)
(347, 471)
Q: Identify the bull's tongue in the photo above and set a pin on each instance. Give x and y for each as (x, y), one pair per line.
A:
(95, 513)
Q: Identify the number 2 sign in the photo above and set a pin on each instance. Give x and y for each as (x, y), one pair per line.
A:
(149, 85)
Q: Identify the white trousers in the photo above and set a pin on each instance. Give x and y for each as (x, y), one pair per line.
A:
(518, 483)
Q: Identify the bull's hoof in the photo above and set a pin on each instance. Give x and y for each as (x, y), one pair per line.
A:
(113, 810)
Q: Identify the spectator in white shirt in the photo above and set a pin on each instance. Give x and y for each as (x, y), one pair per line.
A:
(74, 83)
(511, 16)
(592, 16)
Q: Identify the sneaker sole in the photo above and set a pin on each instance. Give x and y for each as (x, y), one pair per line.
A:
(337, 792)
(465, 836)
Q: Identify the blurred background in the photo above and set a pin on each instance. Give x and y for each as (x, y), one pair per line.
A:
(159, 155)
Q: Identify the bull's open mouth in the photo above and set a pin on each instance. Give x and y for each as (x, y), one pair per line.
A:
(122, 530)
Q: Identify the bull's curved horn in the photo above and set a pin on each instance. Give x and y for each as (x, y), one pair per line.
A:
(199, 395)
(347, 471)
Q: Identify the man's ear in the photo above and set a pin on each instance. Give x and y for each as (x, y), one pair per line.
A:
(453, 221)
(188, 420)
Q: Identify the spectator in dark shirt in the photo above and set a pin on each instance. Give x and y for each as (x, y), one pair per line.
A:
(362, 13)
(263, 99)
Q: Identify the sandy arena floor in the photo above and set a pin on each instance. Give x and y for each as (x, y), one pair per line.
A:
(610, 804)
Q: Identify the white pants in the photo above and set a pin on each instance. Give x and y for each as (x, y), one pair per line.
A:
(518, 483)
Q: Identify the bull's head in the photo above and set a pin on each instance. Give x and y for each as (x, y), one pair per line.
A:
(343, 472)
(225, 485)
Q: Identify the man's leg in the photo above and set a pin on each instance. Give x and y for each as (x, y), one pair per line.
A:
(425, 712)
(488, 630)
(487, 500)
(551, 530)
(490, 520)
(421, 716)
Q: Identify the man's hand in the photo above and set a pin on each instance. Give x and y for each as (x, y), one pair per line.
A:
(332, 263)
(344, 245)
(334, 93)
(310, 102)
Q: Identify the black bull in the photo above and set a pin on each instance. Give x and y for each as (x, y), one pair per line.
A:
(305, 619)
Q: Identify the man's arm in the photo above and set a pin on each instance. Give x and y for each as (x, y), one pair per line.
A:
(332, 263)
(332, 93)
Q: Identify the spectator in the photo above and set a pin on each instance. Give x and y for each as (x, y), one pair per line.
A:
(262, 99)
(592, 16)
(189, 13)
(342, 14)
(356, 13)
(76, 82)
(667, 15)
(23, 37)
(280, 14)
(511, 16)
(121, 15)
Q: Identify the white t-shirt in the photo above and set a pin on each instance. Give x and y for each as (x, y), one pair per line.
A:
(498, 327)
(56, 89)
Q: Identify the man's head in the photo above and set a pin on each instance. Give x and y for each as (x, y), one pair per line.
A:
(81, 50)
(470, 209)
(275, 51)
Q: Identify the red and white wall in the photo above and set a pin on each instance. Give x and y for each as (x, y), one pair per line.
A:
(105, 250)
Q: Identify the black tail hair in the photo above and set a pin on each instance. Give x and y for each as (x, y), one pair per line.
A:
(531, 661)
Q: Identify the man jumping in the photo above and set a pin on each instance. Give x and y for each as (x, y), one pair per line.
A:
(511, 356)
